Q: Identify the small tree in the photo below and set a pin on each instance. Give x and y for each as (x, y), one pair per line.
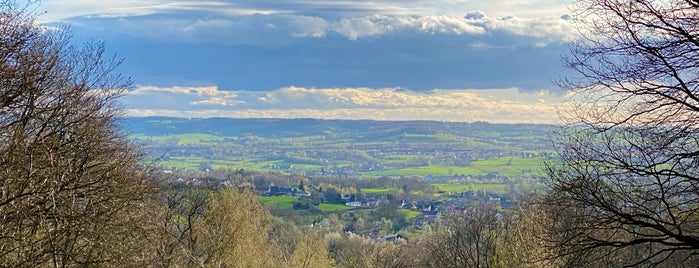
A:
(311, 252)
(356, 251)
(522, 241)
(233, 233)
(627, 189)
(468, 239)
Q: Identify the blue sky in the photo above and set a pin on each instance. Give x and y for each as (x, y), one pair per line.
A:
(450, 60)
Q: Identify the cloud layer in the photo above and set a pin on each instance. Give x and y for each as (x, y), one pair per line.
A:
(508, 105)
(463, 60)
(62, 9)
(280, 29)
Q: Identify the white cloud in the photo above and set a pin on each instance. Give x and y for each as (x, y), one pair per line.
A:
(202, 24)
(360, 27)
(58, 10)
(276, 29)
(245, 21)
(218, 101)
(66, 8)
(199, 91)
(181, 97)
(307, 26)
(354, 28)
(493, 105)
(553, 28)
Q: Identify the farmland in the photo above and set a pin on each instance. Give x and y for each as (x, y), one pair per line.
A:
(434, 150)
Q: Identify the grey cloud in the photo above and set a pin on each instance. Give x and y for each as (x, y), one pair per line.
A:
(333, 10)
(276, 29)
(475, 15)
(263, 52)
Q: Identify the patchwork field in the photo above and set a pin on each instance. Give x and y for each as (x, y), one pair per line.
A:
(487, 187)
(345, 148)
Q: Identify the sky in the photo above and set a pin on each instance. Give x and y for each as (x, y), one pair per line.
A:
(446, 60)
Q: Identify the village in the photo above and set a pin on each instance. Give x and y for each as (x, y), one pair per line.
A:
(366, 211)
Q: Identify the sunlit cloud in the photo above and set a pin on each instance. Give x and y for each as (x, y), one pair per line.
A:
(507, 105)
(181, 97)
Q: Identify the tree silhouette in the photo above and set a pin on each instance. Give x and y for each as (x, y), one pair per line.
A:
(625, 192)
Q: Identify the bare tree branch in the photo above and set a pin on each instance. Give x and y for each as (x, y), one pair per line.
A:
(625, 190)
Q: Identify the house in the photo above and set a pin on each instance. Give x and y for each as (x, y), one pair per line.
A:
(279, 190)
(394, 237)
(405, 205)
(354, 204)
(302, 194)
(370, 200)
(424, 206)
(427, 217)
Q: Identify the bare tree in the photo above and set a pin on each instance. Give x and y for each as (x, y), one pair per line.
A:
(68, 179)
(626, 191)
(522, 241)
(464, 240)
(356, 251)
(233, 232)
(311, 251)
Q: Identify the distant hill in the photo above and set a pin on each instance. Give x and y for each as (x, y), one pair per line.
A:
(281, 128)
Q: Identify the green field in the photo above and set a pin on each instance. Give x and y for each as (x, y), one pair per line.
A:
(287, 202)
(194, 163)
(376, 190)
(502, 166)
(410, 215)
(323, 148)
(510, 166)
(458, 187)
(182, 139)
(431, 170)
(182, 162)
(505, 166)
(325, 207)
(279, 202)
(244, 164)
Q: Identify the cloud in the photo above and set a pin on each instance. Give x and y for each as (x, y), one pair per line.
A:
(181, 97)
(269, 21)
(475, 15)
(264, 52)
(269, 29)
(352, 46)
(63, 9)
(508, 105)
(355, 28)
(548, 29)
